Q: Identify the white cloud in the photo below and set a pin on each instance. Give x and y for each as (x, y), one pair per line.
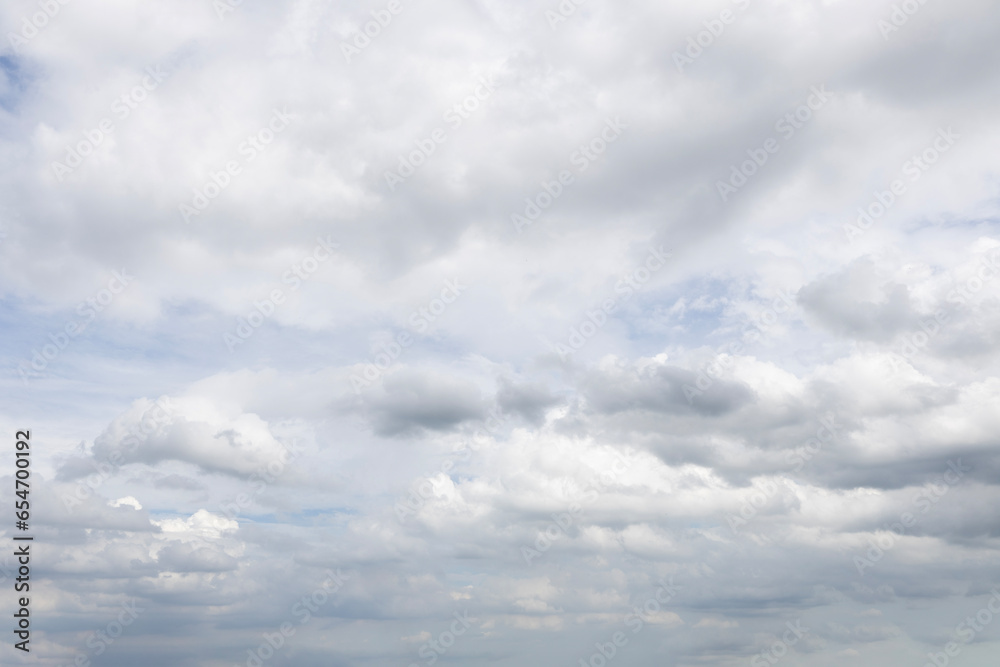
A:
(693, 401)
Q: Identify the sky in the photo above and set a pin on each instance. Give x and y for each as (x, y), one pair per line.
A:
(503, 333)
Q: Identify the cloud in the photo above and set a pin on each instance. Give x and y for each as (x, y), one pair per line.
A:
(743, 422)
(411, 400)
(858, 304)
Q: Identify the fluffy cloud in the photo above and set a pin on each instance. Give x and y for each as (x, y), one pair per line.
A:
(791, 421)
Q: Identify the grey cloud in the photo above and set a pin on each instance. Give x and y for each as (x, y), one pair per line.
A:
(194, 558)
(664, 389)
(219, 585)
(178, 482)
(858, 303)
(529, 400)
(411, 401)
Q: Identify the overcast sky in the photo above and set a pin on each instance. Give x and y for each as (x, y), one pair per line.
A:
(507, 333)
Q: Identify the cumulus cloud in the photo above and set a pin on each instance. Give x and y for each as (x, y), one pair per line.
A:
(218, 216)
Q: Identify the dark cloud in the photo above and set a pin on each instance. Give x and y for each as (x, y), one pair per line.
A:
(529, 400)
(412, 400)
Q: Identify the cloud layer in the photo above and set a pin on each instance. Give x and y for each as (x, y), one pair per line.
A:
(501, 333)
